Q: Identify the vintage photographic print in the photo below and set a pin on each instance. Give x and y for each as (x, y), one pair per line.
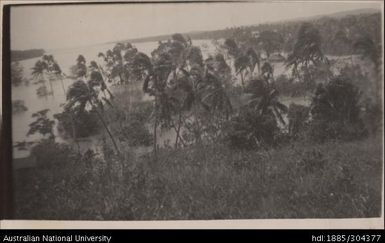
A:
(197, 111)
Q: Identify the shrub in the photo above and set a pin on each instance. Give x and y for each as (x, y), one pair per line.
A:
(249, 129)
(86, 123)
(297, 116)
(372, 116)
(49, 153)
(289, 87)
(136, 133)
(336, 111)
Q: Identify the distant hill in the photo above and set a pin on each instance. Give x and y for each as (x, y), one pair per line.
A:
(225, 33)
(18, 55)
(353, 23)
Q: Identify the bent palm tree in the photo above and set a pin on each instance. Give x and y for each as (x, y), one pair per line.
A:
(265, 100)
(78, 96)
(38, 73)
(307, 50)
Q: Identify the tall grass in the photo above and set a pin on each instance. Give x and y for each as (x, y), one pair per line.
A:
(330, 180)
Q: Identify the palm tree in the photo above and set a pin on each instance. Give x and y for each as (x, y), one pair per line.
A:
(80, 69)
(38, 73)
(307, 49)
(78, 96)
(55, 69)
(243, 60)
(267, 71)
(213, 95)
(265, 100)
(42, 125)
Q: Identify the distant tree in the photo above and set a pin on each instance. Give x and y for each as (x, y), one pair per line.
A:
(42, 124)
(369, 49)
(270, 41)
(342, 43)
(307, 49)
(17, 74)
(79, 70)
(244, 60)
(307, 54)
(38, 74)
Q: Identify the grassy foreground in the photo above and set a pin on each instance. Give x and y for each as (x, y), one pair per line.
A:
(330, 180)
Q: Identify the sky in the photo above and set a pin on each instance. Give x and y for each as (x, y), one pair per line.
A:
(64, 26)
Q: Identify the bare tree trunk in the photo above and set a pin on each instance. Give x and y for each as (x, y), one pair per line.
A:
(177, 130)
(108, 130)
(242, 81)
(74, 137)
(50, 85)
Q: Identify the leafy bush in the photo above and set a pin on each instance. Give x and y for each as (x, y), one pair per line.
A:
(288, 87)
(85, 123)
(42, 124)
(297, 116)
(49, 153)
(336, 111)
(250, 129)
(372, 116)
(136, 133)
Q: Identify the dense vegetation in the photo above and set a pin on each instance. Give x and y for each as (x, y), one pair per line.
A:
(238, 150)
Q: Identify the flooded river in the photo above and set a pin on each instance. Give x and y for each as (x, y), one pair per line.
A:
(67, 58)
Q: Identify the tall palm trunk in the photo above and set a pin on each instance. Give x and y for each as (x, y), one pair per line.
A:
(177, 130)
(107, 129)
(74, 137)
(62, 85)
(50, 85)
(242, 81)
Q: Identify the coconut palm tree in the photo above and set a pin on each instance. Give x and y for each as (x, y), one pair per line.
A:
(213, 95)
(79, 95)
(307, 49)
(79, 70)
(38, 74)
(244, 61)
(42, 124)
(267, 71)
(264, 100)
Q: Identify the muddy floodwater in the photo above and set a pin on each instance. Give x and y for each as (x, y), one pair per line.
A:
(67, 58)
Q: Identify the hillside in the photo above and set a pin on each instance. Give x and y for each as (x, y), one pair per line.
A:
(18, 55)
(349, 24)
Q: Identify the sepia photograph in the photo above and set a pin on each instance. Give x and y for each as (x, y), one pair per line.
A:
(196, 110)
